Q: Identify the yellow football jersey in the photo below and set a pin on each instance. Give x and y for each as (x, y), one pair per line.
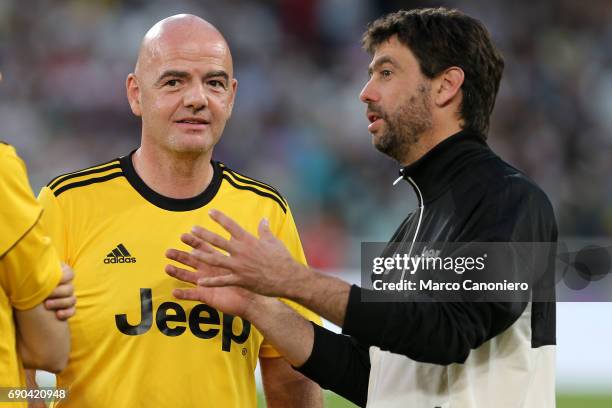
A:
(29, 266)
(133, 343)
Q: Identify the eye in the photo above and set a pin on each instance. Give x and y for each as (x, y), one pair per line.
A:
(172, 83)
(385, 73)
(215, 83)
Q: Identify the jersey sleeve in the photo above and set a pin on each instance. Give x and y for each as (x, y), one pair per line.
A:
(52, 221)
(29, 266)
(30, 270)
(19, 210)
(287, 232)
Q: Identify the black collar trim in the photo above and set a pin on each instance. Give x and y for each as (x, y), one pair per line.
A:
(168, 203)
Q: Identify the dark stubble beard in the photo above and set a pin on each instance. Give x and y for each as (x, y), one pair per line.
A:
(405, 127)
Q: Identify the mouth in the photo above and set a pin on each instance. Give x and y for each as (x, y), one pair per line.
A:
(373, 117)
(193, 121)
(375, 120)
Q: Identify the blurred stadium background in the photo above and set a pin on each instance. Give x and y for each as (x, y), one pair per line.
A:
(298, 123)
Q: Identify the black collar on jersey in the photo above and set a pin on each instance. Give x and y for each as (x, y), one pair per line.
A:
(167, 203)
(434, 172)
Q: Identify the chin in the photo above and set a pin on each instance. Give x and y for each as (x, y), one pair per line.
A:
(381, 141)
(191, 144)
(387, 145)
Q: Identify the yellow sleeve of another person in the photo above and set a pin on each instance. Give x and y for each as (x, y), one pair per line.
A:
(29, 266)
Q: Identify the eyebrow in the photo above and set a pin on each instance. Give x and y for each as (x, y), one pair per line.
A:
(173, 73)
(385, 59)
(217, 73)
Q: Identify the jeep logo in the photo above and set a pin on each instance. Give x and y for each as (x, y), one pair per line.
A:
(200, 314)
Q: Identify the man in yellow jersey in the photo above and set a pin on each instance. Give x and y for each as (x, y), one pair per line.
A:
(32, 336)
(113, 222)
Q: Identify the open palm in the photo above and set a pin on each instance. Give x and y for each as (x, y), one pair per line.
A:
(230, 299)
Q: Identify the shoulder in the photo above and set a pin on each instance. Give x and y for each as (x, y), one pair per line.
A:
(505, 182)
(257, 189)
(19, 210)
(8, 155)
(512, 201)
(490, 176)
(99, 173)
(13, 174)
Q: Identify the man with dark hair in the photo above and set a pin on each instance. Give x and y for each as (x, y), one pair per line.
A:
(433, 81)
(457, 40)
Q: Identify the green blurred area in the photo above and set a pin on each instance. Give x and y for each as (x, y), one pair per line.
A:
(584, 400)
(563, 401)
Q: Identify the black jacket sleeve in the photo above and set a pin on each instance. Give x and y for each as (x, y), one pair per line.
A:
(438, 333)
(340, 364)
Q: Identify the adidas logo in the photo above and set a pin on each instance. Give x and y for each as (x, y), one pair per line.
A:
(119, 255)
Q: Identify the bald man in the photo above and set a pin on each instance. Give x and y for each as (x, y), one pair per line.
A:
(133, 343)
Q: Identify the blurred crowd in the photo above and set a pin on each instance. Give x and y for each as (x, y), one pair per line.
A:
(297, 122)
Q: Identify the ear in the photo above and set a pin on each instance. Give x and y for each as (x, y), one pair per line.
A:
(234, 87)
(133, 94)
(448, 85)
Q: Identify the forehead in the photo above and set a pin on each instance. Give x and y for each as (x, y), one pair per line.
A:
(189, 53)
(393, 52)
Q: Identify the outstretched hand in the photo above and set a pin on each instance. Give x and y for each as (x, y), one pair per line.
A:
(232, 300)
(262, 265)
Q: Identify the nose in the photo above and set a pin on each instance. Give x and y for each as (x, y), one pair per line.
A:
(195, 97)
(368, 94)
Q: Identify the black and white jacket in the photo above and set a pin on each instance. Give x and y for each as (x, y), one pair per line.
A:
(451, 354)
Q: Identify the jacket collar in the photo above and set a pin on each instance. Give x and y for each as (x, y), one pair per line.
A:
(433, 173)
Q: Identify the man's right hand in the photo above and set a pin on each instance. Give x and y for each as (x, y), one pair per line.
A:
(62, 300)
(289, 333)
(232, 300)
(260, 264)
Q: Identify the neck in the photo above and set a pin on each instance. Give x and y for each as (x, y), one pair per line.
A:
(429, 140)
(172, 174)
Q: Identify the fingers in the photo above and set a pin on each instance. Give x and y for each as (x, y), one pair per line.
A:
(190, 294)
(60, 303)
(216, 281)
(67, 274)
(182, 274)
(62, 300)
(62, 291)
(229, 225)
(183, 257)
(214, 259)
(210, 237)
(65, 314)
(196, 243)
(264, 229)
